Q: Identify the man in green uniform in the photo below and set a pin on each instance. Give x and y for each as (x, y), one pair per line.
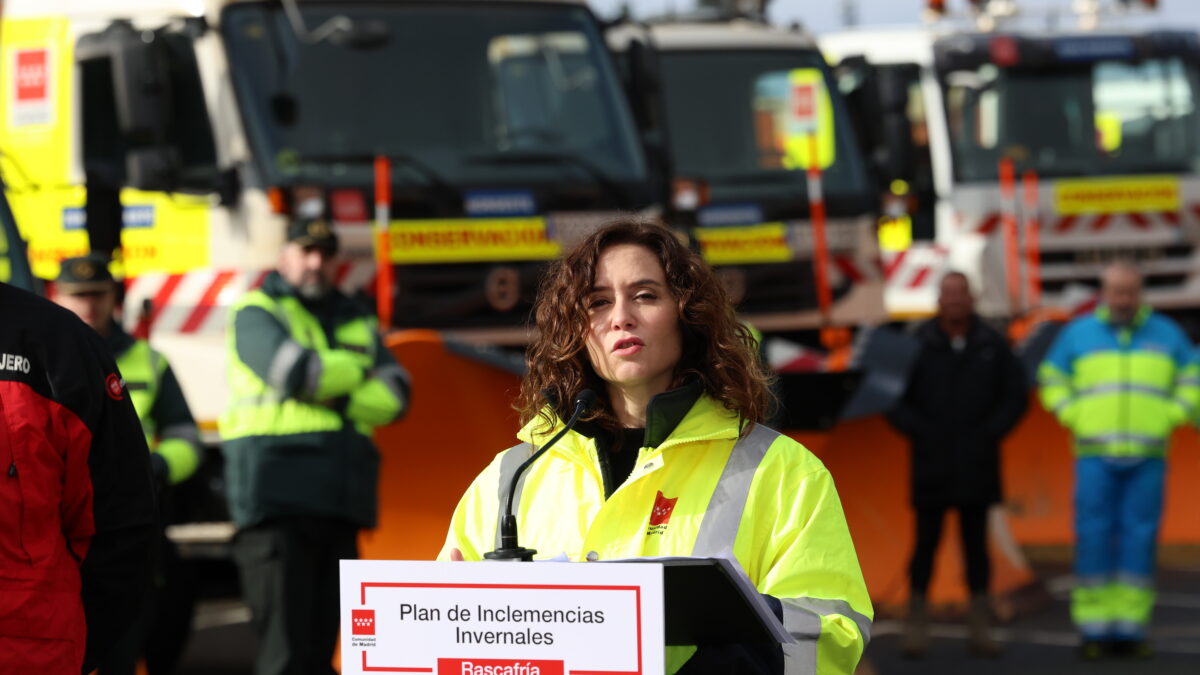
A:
(86, 287)
(309, 382)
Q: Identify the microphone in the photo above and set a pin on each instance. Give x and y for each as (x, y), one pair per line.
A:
(509, 549)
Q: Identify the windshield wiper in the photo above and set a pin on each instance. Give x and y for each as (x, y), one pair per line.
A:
(340, 30)
(446, 192)
(598, 176)
(431, 176)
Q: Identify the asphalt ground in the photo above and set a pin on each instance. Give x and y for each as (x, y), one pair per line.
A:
(1038, 641)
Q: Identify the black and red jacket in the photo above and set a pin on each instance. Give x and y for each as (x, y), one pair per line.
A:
(77, 509)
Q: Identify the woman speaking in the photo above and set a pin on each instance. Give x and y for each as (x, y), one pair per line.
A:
(672, 458)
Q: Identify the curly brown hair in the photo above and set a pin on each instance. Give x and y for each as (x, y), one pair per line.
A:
(718, 351)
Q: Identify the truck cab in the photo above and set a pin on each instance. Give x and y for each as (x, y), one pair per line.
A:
(1099, 134)
(209, 123)
(503, 121)
(719, 103)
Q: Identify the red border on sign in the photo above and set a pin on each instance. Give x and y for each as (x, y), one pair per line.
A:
(637, 590)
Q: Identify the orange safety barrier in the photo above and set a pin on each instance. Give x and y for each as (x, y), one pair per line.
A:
(1039, 483)
(461, 416)
(869, 462)
(1022, 327)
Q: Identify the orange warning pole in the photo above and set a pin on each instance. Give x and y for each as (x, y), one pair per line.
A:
(1033, 254)
(383, 250)
(1012, 264)
(816, 204)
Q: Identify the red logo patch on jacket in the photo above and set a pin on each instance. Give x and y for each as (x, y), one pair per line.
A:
(114, 386)
(660, 515)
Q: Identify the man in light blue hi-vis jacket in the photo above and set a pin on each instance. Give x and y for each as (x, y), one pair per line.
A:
(1121, 379)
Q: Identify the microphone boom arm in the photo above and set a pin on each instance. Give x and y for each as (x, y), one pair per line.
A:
(509, 548)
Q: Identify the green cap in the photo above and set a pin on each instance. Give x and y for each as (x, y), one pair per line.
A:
(312, 232)
(86, 274)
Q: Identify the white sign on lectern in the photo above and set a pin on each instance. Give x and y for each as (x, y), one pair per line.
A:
(502, 618)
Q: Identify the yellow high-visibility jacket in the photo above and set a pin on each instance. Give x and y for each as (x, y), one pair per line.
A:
(1121, 390)
(703, 490)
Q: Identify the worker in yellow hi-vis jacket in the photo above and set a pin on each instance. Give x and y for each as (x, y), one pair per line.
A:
(310, 380)
(672, 459)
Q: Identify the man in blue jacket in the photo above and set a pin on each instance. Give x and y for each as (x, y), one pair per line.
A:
(1121, 380)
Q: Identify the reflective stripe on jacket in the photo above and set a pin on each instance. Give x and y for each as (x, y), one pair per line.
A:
(703, 491)
(1121, 390)
(261, 407)
(308, 385)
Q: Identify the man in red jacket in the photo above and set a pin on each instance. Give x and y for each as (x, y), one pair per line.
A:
(77, 510)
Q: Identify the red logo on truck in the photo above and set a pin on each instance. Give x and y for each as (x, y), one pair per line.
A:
(804, 102)
(31, 76)
(362, 622)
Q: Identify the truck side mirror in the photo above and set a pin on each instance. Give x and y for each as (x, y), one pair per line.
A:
(897, 161)
(643, 68)
(140, 85)
(639, 78)
(857, 82)
(643, 87)
(127, 91)
(899, 152)
(152, 168)
(146, 125)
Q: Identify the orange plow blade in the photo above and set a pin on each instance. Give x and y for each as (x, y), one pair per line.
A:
(461, 416)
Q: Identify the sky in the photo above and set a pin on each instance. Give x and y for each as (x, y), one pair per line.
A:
(822, 16)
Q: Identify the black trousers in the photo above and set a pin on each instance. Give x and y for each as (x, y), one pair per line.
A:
(972, 519)
(289, 573)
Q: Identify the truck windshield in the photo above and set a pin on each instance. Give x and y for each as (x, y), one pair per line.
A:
(473, 94)
(751, 142)
(1099, 118)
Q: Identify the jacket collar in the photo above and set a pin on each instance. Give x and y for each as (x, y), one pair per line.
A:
(1143, 313)
(118, 340)
(336, 303)
(933, 328)
(667, 410)
(673, 417)
(931, 331)
(275, 286)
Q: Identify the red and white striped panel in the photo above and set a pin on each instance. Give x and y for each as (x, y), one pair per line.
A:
(915, 268)
(193, 302)
(354, 276)
(1089, 223)
(198, 302)
(845, 267)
